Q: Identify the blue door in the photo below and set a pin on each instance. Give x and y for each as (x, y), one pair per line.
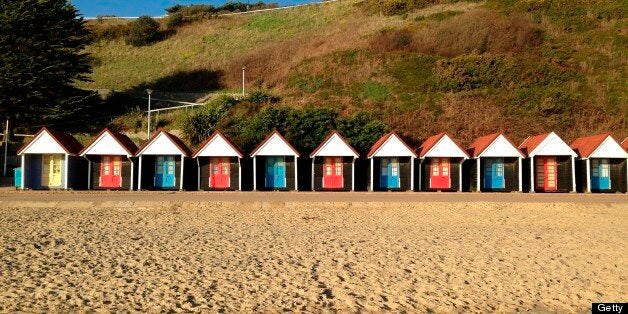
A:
(389, 173)
(164, 172)
(494, 173)
(600, 174)
(275, 172)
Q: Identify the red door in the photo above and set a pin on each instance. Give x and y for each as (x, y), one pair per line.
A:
(439, 173)
(546, 173)
(111, 172)
(332, 173)
(219, 172)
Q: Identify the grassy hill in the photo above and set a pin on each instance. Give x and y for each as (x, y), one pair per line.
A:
(421, 67)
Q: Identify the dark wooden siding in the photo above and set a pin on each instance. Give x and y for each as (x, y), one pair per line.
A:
(148, 172)
(95, 173)
(618, 176)
(563, 171)
(261, 173)
(347, 166)
(205, 172)
(404, 174)
(454, 174)
(511, 175)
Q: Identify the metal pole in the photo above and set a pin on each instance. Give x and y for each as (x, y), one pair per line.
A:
(6, 147)
(149, 91)
(243, 69)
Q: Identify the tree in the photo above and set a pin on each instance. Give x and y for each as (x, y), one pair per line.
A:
(41, 56)
(143, 31)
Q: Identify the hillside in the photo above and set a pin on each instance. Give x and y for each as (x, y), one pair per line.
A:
(469, 68)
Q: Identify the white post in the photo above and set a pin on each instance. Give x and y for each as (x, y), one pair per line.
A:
(353, 175)
(149, 92)
(588, 165)
(532, 167)
(89, 173)
(372, 178)
(198, 173)
(313, 158)
(573, 173)
(239, 174)
(477, 175)
(181, 178)
(296, 174)
(460, 175)
(520, 174)
(65, 172)
(139, 175)
(411, 173)
(420, 173)
(132, 173)
(254, 173)
(243, 70)
(23, 184)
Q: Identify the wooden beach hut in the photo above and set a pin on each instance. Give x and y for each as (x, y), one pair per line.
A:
(275, 164)
(440, 167)
(110, 161)
(602, 164)
(219, 164)
(162, 162)
(498, 165)
(333, 164)
(51, 161)
(551, 163)
(391, 164)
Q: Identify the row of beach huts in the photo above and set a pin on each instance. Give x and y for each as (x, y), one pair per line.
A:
(493, 163)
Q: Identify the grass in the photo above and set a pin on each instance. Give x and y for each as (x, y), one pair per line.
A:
(470, 68)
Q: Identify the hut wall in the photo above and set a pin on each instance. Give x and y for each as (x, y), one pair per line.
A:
(347, 166)
(454, 174)
(261, 174)
(94, 177)
(205, 173)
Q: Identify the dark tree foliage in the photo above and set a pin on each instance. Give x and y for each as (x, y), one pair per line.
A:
(143, 31)
(41, 55)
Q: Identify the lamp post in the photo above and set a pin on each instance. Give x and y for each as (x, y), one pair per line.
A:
(243, 69)
(149, 92)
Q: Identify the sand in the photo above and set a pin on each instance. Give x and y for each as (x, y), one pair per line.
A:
(252, 257)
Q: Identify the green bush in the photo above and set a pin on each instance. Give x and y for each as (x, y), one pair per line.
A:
(143, 31)
(262, 97)
(199, 124)
(175, 20)
(362, 130)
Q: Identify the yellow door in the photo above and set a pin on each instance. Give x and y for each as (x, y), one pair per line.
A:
(51, 170)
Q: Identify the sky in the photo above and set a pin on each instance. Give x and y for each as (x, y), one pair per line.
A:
(93, 8)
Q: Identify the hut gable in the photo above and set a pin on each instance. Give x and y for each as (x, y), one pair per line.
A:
(548, 144)
(218, 145)
(109, 142)
(390, 145)
(47, 141)
(494, 145)
(598, 146)
(164, 143)
(441, 145)
(624, 144)
(334, 145)
(274, 145)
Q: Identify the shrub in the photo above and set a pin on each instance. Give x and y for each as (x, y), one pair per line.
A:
(108, 32)
(143, 31)
(262, 97)
(175, 20)
(362, 130)
(199, 124)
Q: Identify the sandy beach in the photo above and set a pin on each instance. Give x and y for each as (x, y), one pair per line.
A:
(252, 257)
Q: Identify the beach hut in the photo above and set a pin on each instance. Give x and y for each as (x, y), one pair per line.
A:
(110, 161)
(333, 164)
(602, 162)
(219, 164)
(162, 161)
(51, 161)
(551, 163)
(498, 165)
(440, 167)
(391, 164)
(275, 164)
